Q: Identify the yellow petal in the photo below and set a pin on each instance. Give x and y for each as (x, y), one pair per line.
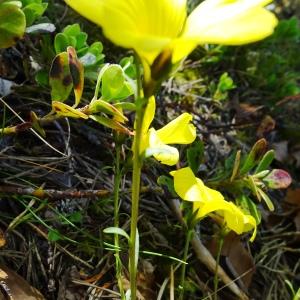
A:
(149, 114)
(238, 221)
(186, 185)
(148, 118)
(178, 131)
(206, 200)
(191, 188)
(207, 207)
(182, 47)
(146, 26)
(230, 22)
(163, 153)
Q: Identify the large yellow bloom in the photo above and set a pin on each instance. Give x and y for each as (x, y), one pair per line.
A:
(156, 142)
(206, 200)
(152, 26)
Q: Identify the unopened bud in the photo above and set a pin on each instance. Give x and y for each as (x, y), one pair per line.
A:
(278, 179)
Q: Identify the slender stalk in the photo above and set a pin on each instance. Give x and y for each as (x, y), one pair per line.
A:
(135, 197)
(185, 255)
(136, 176)
(117, 182)
(219, 250)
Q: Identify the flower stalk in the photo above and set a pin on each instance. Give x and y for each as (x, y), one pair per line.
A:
(117, 182)
(188, 238)
(141, 103)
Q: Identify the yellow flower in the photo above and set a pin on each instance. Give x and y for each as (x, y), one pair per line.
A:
(155, 142)
(206, 200)
(157, 26)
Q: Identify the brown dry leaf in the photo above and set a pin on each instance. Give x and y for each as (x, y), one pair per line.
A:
(247, 113)
(145, 281)
(126, 286)
(293, 197)
(238, 260)
(15, 287)
(266, 125)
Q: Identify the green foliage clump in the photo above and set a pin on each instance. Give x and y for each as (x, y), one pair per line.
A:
(274, 64)
(90, 55)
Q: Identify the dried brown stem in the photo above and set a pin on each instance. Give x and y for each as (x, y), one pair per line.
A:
(57, 195)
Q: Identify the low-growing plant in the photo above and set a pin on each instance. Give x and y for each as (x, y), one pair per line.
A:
(232, 196)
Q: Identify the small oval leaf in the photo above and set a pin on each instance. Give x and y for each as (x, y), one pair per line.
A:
(12, 24)
(118, 231)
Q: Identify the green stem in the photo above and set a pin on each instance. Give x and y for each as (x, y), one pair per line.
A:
(185, 255)
(141, 103)
(219, 249)
(136, 176)
(117, 182)
(97, 88)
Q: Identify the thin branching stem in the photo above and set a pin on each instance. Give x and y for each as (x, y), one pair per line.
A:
(188, 238)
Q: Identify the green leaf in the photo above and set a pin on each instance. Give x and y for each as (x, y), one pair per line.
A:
(33, 11)
(114, 86)
(64, 110)
(254, 157)
(289, 284)
(81, 39)
(111, 124)
(267, 199)
(195, 154)
(253, 187)
(100, 106)
(125, 106)
(96, 48)
(265, 161)
(60, 78)
(75, 217)
(127, 63)
(118, 231)
(225, 84)
(77, 74)
(236, 166)
(66, 72)
(12, 24)
(71, 36)
(42, 78)
(168, 182)
(137, 249)
(72, 30)
(250, 206)
(36, 125)
(54, 235)
(61, 43)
